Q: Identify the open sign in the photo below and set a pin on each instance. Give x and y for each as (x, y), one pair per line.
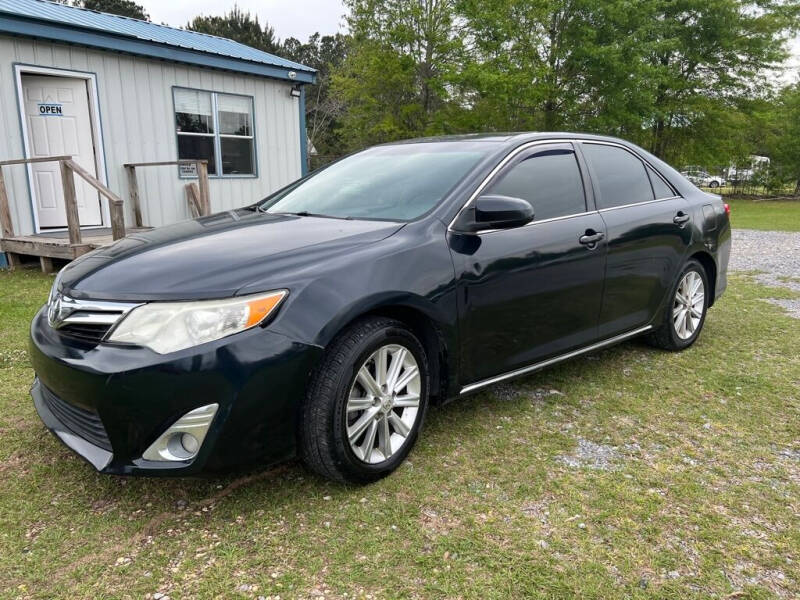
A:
(50, 110)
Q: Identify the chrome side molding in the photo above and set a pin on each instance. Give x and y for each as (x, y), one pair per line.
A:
(556, 359)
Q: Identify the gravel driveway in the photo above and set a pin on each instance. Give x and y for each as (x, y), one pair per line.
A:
(776, 254)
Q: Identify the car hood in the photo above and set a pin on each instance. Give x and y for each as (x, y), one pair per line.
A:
(214, 256)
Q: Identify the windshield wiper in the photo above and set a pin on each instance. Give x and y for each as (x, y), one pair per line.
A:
(305, 213)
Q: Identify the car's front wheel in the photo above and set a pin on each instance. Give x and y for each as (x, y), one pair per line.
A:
(366, 402)
(685, 313)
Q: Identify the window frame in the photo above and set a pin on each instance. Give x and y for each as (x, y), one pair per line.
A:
(645, 165)
(217, 135)
(531, 153)
(588, 182)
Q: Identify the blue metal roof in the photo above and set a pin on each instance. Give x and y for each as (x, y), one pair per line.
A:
(40, 18)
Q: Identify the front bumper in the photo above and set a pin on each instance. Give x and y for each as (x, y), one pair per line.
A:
(123, 397)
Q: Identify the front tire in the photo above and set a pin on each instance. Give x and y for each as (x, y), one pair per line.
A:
(685, 313)
(366, 402)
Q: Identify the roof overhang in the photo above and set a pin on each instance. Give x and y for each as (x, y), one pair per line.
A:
(91, 38)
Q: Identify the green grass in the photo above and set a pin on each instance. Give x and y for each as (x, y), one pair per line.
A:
(776, 215)
(701, 500)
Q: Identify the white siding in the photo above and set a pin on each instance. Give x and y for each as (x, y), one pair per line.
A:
(137, 119)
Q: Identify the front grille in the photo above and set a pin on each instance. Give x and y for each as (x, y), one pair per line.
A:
(87, 320)
(81, 422)
(89, 332)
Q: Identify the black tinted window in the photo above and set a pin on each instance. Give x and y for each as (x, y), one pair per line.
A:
(660, 187)
(550, 181)
(618, 175)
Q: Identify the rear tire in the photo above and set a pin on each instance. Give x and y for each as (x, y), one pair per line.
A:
(366, 402)
(686, 310)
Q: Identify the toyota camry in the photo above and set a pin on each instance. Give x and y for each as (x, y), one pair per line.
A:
(324, 321)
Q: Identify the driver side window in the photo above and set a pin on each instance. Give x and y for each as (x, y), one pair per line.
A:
(549, 180)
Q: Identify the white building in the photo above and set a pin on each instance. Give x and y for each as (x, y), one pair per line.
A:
(109, 90)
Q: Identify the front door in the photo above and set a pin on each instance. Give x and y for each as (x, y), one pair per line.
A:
(532, 292)
(58, 123)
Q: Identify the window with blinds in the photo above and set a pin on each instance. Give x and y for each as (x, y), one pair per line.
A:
(216, 127)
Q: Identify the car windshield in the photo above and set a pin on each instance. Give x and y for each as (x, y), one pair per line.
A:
(398, 183)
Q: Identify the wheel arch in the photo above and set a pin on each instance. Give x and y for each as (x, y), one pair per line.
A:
(422, 320)
(710, 267)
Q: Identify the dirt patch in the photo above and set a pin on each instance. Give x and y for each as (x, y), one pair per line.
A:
(589, 455)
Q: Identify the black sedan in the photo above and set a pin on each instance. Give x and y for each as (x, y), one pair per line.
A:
(325, 320)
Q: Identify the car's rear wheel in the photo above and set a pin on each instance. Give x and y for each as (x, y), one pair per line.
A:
(366, 402)
(713, 184)
(686, 312)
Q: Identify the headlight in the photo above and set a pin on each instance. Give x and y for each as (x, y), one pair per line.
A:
(170, 326)
(54, 288)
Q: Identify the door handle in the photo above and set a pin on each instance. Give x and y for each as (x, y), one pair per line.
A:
(591, 237)
(681, 218)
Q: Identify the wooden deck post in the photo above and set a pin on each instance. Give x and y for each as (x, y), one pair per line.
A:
(117, 220)
(6, 225)
(70, 203)
(46, 263)
(133, 188)
(202, 182)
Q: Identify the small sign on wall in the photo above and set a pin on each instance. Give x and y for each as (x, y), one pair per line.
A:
(187, 170)
(50, 110)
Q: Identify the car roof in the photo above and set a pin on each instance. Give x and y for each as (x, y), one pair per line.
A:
(510, 138)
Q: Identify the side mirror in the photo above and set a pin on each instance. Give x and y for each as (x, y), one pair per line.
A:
(495, 212)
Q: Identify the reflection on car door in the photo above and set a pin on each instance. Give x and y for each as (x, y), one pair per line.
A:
(534, 291)
(648, 233)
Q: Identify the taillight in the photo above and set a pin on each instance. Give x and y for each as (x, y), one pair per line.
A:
(727, 208)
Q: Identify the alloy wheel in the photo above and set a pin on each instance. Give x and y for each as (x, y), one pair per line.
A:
(687, 309)
(383, 403)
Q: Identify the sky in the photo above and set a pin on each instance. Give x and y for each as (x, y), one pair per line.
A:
(289, 18)
(301, 18)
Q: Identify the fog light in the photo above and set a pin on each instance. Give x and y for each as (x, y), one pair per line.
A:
(190, 443)
(183, 439)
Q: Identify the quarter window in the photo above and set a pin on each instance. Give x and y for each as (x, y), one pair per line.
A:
(215, 127)
(550, 180)
(620, 178)
(660, 187)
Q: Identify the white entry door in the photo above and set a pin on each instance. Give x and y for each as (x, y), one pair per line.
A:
(59, 123)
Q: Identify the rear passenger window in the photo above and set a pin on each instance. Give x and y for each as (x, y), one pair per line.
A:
(549, 180)
(619, 176)
(660, 187)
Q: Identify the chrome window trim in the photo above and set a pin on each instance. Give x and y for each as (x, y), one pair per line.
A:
(511, 155)
(602, 210)
(551, 361)
(532, 223)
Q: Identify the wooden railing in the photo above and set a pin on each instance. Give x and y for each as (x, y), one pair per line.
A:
(68, 170)
(204, 199)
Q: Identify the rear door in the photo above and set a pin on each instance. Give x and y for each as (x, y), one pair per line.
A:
(648, 233)
(534, 291)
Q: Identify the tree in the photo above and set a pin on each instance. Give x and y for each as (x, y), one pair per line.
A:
(702, 58)
(783, 140)
(323, 110)
(671, 75)
(124, 8)
(395, 78)
(240, 26)
(551, 64)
